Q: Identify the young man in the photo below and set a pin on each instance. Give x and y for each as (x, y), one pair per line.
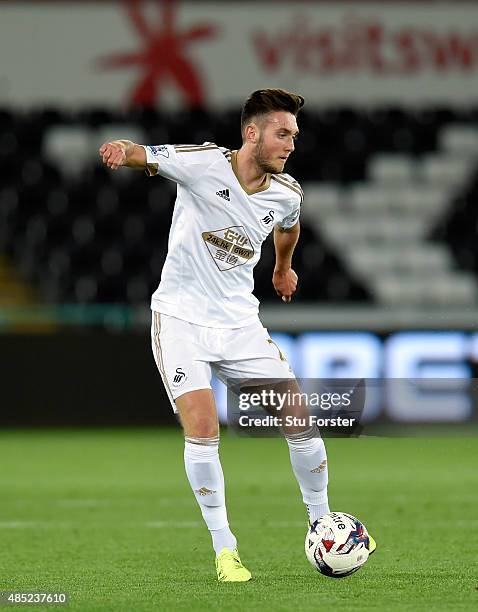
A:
(204, 313)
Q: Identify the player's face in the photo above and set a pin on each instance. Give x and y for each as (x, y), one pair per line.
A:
(276, 141)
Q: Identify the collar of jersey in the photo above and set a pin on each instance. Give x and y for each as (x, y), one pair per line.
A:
(265, 185)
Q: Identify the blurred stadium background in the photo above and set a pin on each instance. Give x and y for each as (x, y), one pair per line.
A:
(387, 265)
(387, 156)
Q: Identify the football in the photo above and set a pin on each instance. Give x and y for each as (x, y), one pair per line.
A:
(337, 545)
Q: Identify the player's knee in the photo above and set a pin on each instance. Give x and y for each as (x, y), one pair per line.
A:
(203, 428)
(206, 430)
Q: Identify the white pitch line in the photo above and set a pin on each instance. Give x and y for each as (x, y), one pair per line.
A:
(135, 501)
(82, 503)
(174, 524)
(149, 524)
(33, 525)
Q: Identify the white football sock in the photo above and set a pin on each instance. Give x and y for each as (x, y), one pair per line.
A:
(223, 538)
(309, 462)
(204, 471)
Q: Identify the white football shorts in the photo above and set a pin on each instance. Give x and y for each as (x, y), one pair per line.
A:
(186, 354)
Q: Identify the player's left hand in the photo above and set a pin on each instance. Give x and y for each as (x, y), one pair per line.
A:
(285, 283)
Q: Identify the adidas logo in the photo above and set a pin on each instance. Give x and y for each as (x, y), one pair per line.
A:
(224, 194)
(320, 468)
(204, 491)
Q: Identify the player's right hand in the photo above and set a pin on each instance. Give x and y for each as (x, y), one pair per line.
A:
(113, 154)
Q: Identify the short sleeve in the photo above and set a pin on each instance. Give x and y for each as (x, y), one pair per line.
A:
(179, 163)
(291, 219)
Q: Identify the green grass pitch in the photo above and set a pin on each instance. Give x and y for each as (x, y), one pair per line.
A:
(108, 517)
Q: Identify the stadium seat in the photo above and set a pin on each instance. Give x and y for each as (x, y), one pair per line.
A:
(67, 147)
(460, 140)
(392, 169)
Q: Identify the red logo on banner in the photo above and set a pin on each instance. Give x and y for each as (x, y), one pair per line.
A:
(355, 44)
(163, 57)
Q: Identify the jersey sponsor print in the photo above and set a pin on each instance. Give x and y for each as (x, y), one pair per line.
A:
(229, 247)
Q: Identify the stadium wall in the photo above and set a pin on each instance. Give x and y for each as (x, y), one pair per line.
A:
(87, 378)
(180, 53)
(99, 378)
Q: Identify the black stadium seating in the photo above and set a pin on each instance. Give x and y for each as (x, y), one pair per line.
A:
(91, 236)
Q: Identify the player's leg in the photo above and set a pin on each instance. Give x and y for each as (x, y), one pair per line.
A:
(198, 415)
(256, 358)
(308, 458)
(307, 452)
(187, 383)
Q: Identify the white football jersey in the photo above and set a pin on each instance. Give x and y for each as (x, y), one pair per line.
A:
(216, 234)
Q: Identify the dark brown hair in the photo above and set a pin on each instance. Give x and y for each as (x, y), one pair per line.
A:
(265, 101)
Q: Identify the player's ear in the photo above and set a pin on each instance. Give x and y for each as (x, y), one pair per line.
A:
(252, 133)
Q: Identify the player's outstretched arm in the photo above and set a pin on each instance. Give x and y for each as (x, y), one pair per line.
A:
(284, 278)
(123, 153)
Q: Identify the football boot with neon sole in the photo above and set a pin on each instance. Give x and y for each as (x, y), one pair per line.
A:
(229, 567)
(372, 545)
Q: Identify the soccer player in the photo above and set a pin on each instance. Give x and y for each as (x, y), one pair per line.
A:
(204, 315)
